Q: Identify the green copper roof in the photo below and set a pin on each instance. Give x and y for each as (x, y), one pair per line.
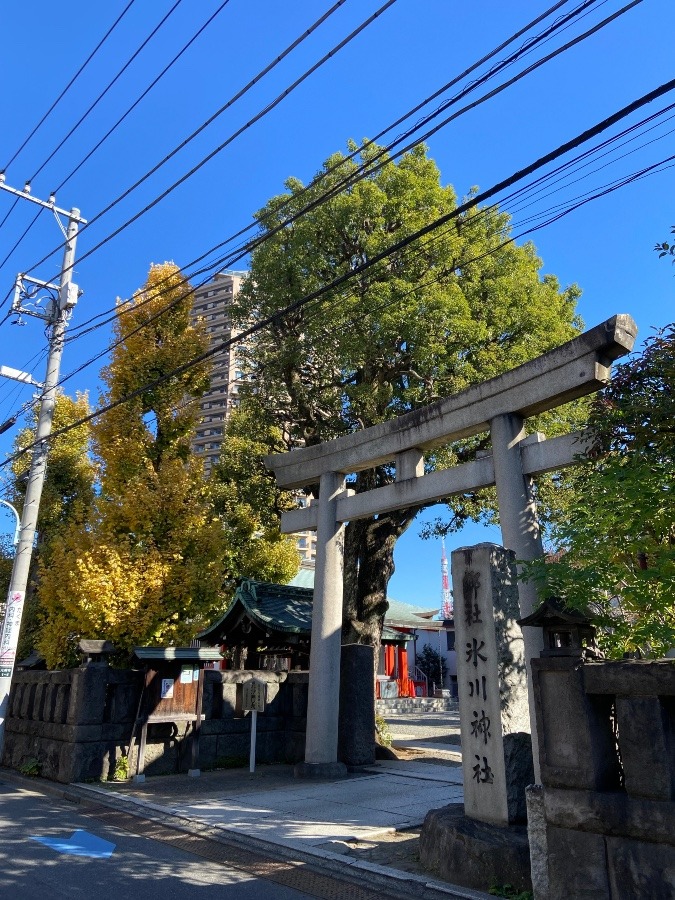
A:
(186, 654)
(281, 607)
(304, 578)
(401, 615)
(278, 606)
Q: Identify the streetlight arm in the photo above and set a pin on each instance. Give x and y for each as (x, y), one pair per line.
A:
(18, 520)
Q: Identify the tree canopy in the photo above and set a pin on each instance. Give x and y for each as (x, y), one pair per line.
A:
(156, 558)
(462, 305)
(617, 542)
(67, 496)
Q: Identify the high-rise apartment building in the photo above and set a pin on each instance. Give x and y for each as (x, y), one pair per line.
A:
(211, 302)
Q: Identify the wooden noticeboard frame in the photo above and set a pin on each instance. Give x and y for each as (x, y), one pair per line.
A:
(173, 692)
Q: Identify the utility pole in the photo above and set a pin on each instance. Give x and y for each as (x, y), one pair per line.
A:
(56, 314)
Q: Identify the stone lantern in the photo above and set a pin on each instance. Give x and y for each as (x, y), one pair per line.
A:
(567, 632)
(95, 653)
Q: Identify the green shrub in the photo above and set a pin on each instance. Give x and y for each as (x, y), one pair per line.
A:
(31, 767)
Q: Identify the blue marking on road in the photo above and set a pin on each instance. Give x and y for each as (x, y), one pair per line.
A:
(80, 843)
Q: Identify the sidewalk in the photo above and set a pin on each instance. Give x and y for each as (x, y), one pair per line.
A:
(298, 814)
(338, 826)
(320, 824)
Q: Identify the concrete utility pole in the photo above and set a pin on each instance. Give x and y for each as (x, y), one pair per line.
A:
(57, 315)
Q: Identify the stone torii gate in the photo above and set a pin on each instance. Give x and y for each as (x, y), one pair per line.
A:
(499, 405)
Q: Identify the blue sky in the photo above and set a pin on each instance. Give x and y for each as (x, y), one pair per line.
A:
(413, 48)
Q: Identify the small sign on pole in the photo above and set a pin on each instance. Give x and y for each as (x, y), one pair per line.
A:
(254, 696)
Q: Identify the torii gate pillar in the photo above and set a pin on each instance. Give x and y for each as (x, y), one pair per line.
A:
(520, 531)
(323, 704)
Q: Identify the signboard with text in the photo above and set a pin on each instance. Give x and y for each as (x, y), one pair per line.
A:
(254, 694)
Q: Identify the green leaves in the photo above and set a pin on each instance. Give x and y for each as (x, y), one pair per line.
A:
(618, 536)
(449, 310)
(665, 248)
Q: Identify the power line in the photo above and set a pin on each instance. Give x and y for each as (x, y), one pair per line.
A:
(19, 240)
(425, 247)
(143, 95)
(372, 168)
(549, 177)
(570, 206)
(107, 88)
(528, 189)
(612, 161)
(212, 118)
(337, 282)
(9, 211)
(71, 82)
(267, 109)
(94, 359)
(366, 168)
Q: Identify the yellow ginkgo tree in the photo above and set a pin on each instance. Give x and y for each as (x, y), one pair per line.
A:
(156, 559)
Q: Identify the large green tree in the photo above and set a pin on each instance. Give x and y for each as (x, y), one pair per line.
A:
(616, 545)
(459, 306)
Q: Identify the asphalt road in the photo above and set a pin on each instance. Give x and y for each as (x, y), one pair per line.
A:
(139, 867)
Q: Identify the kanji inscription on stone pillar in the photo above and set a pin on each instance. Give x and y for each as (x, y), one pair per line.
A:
(492, 682)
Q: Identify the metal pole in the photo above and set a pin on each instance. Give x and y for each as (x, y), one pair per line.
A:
(9, 637)
(254, 734)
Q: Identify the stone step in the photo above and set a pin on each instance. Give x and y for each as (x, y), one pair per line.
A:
(394, 705)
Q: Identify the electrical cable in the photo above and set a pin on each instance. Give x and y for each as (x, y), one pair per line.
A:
(143, 95)
(371, 169)
(267, 109)
(571, 206)
(368, 168)
(523, 205)
(91, 361)
(608, 149)
(212, 118)
(415, 109)
(471, 222)
(5, 299)
(356, 271)
(25, 232)
(563, 21)
(106, 89)
(14, 388)
(9, 211)
(71, 82)
(486, 210)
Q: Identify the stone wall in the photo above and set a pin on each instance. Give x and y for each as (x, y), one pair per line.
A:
(76, 723)
(73, 722)
(607, 754)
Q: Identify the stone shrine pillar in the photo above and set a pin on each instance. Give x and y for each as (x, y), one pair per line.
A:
(492, 685)
(483, 840)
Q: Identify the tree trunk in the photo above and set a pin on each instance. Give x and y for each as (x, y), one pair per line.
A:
(368, 566)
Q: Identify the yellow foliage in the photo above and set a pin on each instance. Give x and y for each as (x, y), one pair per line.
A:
(160, 549)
